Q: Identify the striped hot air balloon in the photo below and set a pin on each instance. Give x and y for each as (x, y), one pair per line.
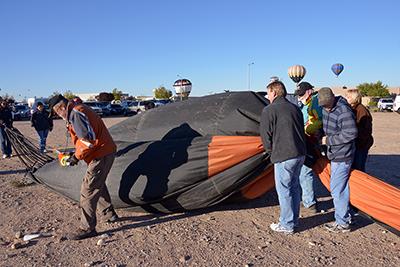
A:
(337, 69)
(297, 73)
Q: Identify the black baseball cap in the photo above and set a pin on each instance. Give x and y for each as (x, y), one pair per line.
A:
(302, 88)
(55, 100)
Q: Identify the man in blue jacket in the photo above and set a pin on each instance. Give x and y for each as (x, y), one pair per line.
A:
(341, 132)
(282, 133)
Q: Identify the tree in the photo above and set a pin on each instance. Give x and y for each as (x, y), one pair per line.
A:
(105, 97)
(69, 95)
(162, 93)
(130, 98)
(377, 89)
(117, 94)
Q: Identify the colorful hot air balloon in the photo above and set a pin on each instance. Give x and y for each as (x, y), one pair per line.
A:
(297, 73)
(337, 69)
(183, 87)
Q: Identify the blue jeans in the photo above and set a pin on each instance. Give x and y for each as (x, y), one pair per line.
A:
(307, 186)
(288, 189)
(340, 190)
(360, 158)
(5, 142)
(43, 136)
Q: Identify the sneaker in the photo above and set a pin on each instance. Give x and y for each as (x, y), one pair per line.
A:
(337, 228)
(83, 234)
(5, 156)
(313, 208)
(277, 227)
(113, 219)
(44, 151)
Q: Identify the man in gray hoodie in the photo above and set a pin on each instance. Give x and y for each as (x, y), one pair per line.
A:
(341, 132)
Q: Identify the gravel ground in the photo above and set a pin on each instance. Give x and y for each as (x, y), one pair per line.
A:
(229, 235)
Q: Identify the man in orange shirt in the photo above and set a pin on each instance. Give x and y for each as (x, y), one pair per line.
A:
(93, 144)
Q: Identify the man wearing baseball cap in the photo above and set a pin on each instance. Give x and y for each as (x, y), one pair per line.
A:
(312, 115)
(94, 145)
(341, 132)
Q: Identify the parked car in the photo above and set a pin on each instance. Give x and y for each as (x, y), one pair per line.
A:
(116, 109)
(104, 108)
(385, 104)
(161, 102)
(21, 112)
(396, 104)
(138, 106)
(95, 107)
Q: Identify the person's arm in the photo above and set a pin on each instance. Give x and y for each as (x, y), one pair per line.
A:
(10, 118)
(365, 127)
(266, 131)
(50, 119)
(347, 129)
(84, 133)
(33, 120)
(1, 118)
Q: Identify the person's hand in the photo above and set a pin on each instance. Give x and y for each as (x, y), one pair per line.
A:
(324, 150)
(72, 160)
(323, 141)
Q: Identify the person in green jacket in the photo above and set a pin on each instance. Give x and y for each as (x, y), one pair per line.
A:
(312, 115)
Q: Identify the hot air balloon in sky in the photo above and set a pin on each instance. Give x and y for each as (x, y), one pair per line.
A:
(183, 87)
(297, 73)
(337, 69)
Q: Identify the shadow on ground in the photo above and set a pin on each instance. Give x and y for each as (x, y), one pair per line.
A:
(385, 168)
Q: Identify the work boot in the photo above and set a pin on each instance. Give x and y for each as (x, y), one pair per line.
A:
(83, 234)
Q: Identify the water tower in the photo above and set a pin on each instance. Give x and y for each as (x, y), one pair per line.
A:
(182, 88)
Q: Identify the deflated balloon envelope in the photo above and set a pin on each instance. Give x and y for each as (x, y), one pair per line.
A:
(180, 156)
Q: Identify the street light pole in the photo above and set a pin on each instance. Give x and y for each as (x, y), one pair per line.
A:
(248, 75)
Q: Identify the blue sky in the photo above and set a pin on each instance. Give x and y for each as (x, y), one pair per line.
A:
(89, 46)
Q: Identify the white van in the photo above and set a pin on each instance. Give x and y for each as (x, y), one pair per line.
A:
(396, 104)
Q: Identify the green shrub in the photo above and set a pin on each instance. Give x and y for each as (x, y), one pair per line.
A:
(372, 103)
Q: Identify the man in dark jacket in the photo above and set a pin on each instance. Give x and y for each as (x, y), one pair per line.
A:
(341, 131)
(282, 133)
(5, 121)
(42, 123)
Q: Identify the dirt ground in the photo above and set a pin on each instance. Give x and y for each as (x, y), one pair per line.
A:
(230, 235)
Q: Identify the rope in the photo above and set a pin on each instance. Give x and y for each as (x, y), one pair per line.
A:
(26, 151)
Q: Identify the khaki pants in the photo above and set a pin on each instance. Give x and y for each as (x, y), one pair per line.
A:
(94, 192)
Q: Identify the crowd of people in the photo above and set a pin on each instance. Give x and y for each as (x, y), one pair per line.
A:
(290, 133)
